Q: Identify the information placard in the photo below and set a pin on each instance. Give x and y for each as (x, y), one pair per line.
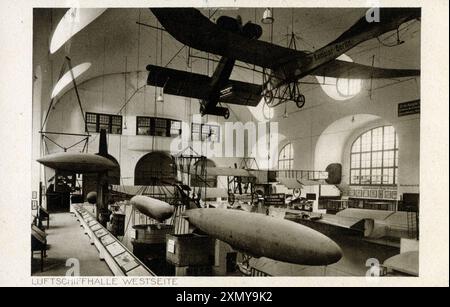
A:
(409, 108)
(275, 200)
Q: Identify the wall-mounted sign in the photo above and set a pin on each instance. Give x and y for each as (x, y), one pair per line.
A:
(409, 108)
(275, 200)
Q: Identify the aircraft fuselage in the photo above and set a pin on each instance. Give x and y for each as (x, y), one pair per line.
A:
(219, 80)
(363, 30)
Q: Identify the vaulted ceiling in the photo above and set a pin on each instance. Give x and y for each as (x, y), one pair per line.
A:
(114, 42)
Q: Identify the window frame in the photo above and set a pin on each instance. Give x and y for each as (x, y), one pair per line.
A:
(152, 126)
(110, 123)
(382, 168)
(205, 137)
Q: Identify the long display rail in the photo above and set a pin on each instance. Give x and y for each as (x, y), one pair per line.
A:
(119, 259)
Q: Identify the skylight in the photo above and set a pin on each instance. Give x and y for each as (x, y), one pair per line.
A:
(73, 22)
(67, 78)
(340, 88)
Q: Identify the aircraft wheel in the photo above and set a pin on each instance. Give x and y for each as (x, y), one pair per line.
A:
(227, 114)
(300, 101)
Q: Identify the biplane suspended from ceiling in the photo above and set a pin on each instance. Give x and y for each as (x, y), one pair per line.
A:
(282, 67)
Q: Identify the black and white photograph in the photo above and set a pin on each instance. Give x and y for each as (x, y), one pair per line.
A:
(248, 141)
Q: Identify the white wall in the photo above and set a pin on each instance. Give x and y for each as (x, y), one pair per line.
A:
(322, 130)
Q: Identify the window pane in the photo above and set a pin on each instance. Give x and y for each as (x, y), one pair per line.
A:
(91, 118)
(377, 139)
(117, 120)
(175, 128)
(283, 154)
(389, 137)
(215, 133)
(357, 145)
(365, 141)
(116, 130)
(143, 131)
(365, 160)
(160, 127)
(104, 119)
(354, 177)
(205, 132)
(388, 176)
(143, 121)
(356, 161)
(377, 158)
(365, 176)
(388, 160)
(376, 176)
(92, 127)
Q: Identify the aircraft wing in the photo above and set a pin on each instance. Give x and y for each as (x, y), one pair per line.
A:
(350, 70)
(344, 223)
(242, 93)
(291, 183)
(226, 171)
(190, 27)
(407, 262)
(178, 82)
(187, 84)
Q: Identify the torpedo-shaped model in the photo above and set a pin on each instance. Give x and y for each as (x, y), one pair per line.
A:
(152, 207)
(264, 236)
(79, 163)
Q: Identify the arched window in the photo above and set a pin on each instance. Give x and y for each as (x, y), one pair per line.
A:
(286, 158)
(374, 157)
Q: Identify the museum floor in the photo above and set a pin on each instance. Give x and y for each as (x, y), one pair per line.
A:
(67, 240)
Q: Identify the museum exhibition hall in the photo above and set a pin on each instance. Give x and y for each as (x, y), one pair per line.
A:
(225, 142)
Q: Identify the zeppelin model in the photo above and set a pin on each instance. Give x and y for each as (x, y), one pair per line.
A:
(264, 236)
(153, 208)
(79, 163)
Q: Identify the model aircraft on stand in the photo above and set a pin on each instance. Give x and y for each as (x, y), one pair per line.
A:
(282, 67)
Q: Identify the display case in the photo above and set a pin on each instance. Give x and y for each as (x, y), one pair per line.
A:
(119, 259)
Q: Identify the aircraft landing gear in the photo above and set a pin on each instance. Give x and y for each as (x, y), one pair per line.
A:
(227, 114)
(218, 111)
(300, 101)
(277, 95)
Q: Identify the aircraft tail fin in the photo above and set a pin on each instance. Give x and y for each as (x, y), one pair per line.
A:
(378, 22)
